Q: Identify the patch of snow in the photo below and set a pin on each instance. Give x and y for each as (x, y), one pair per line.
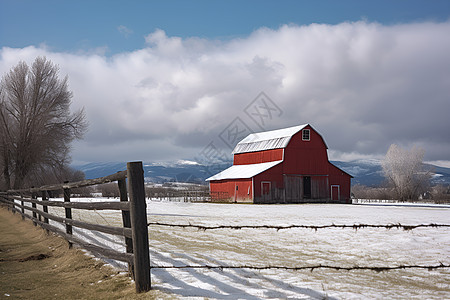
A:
(188, 162)
(354, 170)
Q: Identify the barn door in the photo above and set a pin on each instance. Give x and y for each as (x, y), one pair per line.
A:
(307, 187)
(293, 187)
(266, 190)
(335, 193)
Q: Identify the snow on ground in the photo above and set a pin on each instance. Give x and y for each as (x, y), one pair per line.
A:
(293, 247)
(300, 247)
(398, 203)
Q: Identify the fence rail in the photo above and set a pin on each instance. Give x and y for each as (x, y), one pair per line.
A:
(112, 205)
(134, 217)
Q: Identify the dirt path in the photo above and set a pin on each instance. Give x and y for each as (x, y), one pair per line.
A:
(34, 265)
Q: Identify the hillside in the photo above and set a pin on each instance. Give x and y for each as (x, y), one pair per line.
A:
(177, 171)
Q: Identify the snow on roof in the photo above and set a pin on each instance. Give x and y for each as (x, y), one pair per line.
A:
(243, 171)
(274, 139)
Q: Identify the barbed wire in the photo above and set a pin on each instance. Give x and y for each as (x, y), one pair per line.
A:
(311, 268)
(314, 227)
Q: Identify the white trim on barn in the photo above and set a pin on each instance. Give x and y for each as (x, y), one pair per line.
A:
(338, 192)
(269, 194)
(243, 171)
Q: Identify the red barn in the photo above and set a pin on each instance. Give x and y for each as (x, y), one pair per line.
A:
(288, 165)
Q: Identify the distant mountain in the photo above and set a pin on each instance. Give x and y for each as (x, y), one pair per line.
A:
(365, 172)
(441, 174)
(178, 171)
(370, 173)
(96, 170)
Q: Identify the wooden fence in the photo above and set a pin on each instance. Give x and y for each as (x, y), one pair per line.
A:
(134, 216)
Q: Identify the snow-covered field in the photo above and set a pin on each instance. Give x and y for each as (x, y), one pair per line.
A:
(292, 247)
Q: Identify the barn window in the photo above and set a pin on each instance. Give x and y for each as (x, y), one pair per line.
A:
(305, 134)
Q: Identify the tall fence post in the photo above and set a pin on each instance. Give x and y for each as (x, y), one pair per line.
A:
(139, 227)
(68, 212)
(126, 221)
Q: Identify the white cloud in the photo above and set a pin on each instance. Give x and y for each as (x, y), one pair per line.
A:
(125, 31)
(362, 85)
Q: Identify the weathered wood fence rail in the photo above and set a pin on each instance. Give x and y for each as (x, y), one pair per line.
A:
(134, 217)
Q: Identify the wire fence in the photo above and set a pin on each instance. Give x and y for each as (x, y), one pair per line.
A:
(313, 227)
(311, 268)
(440, 265)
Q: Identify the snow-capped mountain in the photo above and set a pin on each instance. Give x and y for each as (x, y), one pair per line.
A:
(365, 172)
(160, 172)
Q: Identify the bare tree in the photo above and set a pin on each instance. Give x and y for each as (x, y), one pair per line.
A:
(36, 124)
(441, 193)
(370, 192)
(405, 171)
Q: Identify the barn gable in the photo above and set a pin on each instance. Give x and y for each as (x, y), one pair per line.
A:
(268, 140)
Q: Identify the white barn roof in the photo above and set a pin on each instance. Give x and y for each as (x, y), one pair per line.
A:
(243, 171)
(267, 140)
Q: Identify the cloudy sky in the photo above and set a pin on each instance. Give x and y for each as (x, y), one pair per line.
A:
(172, 80)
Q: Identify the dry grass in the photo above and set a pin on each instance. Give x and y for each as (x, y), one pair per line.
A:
(34, 265)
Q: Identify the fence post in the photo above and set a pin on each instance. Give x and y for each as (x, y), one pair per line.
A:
(12, 202)
(33, 205)
(23, 208)
(45, 208)
(126, 221)
(68, 212)
(139, 227)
